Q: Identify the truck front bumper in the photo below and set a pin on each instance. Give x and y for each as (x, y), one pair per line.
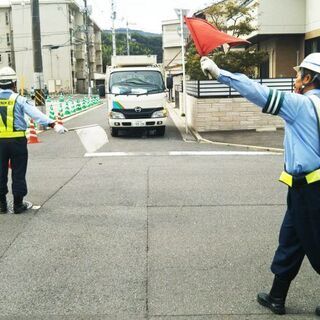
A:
(137, 123)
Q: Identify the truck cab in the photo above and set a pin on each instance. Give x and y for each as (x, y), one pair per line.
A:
(136, 95)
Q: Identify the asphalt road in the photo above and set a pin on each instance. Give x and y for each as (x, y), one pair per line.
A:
(146, 228)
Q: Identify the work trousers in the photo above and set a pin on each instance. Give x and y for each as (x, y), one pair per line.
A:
(300, 232)
(15, 150)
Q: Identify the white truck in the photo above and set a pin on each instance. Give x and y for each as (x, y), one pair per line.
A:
(136, 94)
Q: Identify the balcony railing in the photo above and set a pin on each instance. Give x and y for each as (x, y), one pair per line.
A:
(79, 55)
(213, 88)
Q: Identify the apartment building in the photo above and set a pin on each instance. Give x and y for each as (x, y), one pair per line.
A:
(6, 47)
(63, 39)
(171, 46)
(287, 29)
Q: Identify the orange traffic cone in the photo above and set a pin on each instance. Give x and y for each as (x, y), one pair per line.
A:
(33, 138)
(59, 119)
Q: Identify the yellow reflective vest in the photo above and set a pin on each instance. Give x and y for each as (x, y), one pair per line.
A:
(7, 118)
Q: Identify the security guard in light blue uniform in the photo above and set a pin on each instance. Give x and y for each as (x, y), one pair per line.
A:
(13, 142)
(300, 230)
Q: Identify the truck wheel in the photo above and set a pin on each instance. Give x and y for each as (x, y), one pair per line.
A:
(161, 131)
(114, 132)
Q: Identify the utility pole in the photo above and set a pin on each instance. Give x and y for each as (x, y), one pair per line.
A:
(128, 39)
(37, 56)
(113, 18)
(86, 23)
(181, 14)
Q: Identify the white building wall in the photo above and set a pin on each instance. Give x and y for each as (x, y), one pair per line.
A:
(272, 17)
(312, 15)
(170, 36)
(5, 48)
(54, 20)
(171, 45)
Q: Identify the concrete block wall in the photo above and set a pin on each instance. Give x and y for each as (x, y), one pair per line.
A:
(223, 114)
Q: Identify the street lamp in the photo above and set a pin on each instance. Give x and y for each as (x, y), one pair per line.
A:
(181, 13)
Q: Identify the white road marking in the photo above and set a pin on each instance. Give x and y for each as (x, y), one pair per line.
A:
(92, 138)
(180, 153)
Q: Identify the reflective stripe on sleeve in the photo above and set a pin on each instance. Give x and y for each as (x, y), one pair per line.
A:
(274, 102)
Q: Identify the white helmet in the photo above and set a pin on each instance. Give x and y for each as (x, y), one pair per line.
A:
(310, 62)
(7, 76)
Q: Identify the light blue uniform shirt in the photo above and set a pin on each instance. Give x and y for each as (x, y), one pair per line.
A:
(22, 107)
(301, 141)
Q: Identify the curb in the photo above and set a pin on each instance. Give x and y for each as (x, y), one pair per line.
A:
(247, 146)
(181, 127)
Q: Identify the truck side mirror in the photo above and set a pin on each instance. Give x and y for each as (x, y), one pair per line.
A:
(169, 82)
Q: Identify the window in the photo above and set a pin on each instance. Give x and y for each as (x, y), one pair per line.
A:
(312, 45)
(9, 59)
(71, 57)
(8, 39)
(71, 36)
(7, 17)
(136, 82)
(0, 58)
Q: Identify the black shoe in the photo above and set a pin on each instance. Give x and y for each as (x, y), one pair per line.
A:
(20, 208)
(276, 305)
(318, 311)
(3, 207)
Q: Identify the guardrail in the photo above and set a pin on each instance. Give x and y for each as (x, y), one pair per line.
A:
(214, 89)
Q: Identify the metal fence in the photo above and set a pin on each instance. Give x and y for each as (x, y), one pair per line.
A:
(214, 89)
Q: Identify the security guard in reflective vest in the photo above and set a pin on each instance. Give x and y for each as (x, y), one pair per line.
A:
(13, 142)
(300, 230)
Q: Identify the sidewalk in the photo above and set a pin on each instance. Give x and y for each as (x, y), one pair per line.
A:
(269, 139)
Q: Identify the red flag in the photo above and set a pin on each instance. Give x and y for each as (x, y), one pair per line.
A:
(207, 37)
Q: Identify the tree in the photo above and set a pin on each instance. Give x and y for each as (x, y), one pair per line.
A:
(233, 17)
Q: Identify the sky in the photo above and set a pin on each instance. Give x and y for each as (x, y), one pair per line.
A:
(143, 15)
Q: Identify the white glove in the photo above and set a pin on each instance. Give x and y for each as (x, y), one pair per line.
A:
(58, 128)
(209, 68)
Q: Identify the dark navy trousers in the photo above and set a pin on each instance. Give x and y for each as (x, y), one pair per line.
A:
(16, 150)
(300, 232)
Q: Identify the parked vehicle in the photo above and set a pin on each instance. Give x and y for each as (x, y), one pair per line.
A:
(136, 95)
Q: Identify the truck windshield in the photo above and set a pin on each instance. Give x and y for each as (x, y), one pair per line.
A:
(136, 82)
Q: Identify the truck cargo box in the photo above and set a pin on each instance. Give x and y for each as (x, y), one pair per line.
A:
(131, 61)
